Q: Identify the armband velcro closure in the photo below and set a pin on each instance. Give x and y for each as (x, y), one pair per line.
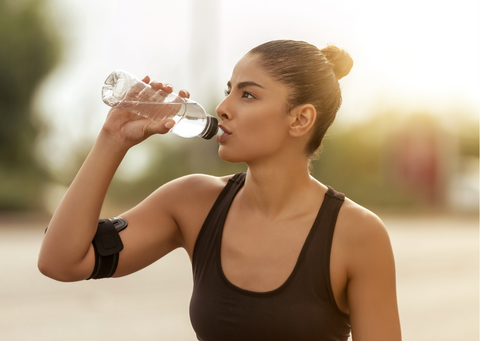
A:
(107, 240)
(107, 245)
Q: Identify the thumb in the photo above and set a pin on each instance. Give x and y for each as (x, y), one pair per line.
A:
(168, 124)
(162, 127)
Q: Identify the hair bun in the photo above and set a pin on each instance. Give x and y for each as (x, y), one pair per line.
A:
(341, 60)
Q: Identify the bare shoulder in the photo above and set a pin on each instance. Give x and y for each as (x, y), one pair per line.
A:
(361, 238)
(175, 212)
(359, 225)
(188, 200)
(187, 195)
(191, 192)
(197, 184)
(185, 191)
(367, 264)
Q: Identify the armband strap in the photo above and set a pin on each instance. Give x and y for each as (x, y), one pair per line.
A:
(107, 245)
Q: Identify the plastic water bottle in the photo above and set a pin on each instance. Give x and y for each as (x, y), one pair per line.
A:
(125, 91)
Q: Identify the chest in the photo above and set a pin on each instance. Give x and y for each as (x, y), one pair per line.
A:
(261, 280)
(259, 255)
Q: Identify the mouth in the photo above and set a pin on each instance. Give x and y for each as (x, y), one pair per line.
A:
(225, 135)
(225, 129)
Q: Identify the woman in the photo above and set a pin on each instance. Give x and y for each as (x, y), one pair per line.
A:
(276, 254)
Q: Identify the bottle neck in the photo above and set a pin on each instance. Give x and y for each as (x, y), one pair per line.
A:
(211, 128)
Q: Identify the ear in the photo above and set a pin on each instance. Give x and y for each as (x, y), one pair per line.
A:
(302, 119)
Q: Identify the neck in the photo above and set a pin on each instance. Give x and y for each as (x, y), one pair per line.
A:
(273, 190)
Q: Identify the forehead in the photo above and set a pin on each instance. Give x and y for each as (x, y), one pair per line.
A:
(249, 69)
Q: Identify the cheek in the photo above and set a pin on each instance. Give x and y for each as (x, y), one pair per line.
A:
(254, 139)
(267, 126)
(267, 119)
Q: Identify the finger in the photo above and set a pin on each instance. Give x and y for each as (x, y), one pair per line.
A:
(156, 85)
(162, 127)
(146, 79)
(168, 88)
(184, 93)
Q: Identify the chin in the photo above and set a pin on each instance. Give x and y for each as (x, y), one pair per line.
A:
(245, 155)
(230, 156)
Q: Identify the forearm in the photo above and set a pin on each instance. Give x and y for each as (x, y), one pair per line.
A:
(67, 253)
(74, 223)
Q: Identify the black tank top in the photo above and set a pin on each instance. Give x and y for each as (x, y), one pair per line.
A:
(301, 309)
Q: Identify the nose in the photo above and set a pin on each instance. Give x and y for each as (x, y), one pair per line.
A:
(222, 110)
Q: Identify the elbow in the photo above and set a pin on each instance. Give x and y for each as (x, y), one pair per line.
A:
(45, 269)
(56, 273)
(50, 271)
(64, 267)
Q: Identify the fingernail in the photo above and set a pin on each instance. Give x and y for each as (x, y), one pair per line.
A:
(168, 125)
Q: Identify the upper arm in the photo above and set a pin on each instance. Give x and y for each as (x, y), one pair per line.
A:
(151, 233)
(371, 288)
(169, 218)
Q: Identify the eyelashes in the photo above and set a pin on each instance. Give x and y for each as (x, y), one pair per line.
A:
(245, 94)
(248, 95)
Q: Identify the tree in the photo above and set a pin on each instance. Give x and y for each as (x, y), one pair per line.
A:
(29, 49)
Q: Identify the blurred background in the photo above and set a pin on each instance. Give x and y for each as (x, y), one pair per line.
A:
(405, 144)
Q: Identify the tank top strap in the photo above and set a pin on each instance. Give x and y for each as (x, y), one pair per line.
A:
(210, 232)
(319, 253)
(238, 178)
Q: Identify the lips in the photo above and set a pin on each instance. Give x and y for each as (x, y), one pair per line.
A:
(225, 129)
(225, 135)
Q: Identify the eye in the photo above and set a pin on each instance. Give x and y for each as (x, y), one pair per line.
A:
(248, 95)
(227, 92)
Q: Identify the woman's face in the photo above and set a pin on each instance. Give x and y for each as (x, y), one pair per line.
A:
(253, 114)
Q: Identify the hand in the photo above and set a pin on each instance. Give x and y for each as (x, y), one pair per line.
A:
(130, 129)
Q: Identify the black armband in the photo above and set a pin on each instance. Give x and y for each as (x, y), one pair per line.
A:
(107, 245)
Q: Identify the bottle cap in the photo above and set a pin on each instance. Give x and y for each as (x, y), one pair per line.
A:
(211, 128)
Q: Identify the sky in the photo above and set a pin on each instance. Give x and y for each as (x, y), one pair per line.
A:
(410, 55)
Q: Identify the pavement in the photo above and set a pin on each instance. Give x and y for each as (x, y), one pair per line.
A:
(437, 261)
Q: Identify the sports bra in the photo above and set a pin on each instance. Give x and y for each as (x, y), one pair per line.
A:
(303, 308)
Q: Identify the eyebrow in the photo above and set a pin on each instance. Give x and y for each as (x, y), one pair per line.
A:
(242, 85)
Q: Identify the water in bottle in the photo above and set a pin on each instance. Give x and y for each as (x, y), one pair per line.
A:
(125, 91)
